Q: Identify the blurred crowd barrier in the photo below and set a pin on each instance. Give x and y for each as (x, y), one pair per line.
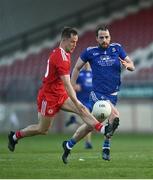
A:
(134, 117)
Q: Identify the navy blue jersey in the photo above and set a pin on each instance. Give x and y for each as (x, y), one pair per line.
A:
(85, 82)
(106, 67)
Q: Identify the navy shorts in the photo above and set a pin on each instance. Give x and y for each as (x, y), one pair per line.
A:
(94, 97)
(87, 104)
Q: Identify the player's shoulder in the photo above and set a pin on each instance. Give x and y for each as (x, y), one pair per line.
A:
(61, 54)
(90, 48)
(58, 50)
(55, 52)
(115, 44)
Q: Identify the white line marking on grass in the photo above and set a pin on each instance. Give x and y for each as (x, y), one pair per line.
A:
(81, 159)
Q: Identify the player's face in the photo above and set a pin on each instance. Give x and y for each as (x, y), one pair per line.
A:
(103, 38)
(71, 43)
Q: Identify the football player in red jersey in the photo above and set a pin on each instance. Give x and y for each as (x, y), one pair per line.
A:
(57, 93)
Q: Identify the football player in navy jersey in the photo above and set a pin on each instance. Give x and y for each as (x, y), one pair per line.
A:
(106, 60)
(83, 88)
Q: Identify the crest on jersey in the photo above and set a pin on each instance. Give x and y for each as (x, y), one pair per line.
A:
(113, 49)
(95, 54)
(104, 57)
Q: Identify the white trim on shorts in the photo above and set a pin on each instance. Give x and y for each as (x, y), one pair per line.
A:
(43, 107)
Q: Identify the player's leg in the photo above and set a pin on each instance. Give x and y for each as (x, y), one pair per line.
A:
(81, 132)
(114, 117)
(72, 120)
(86, 117)
(106, 149)
(32, 130)
(88, 144)
(37, 129)
(75, 119)
(113, 120)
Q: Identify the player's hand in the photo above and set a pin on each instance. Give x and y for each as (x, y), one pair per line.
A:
(127, 63)
(124, 63)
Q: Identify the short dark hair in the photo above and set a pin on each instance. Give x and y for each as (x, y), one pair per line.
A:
(102, 28)
(67, 31)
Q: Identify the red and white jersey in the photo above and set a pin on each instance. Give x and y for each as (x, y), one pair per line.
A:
(58, 65)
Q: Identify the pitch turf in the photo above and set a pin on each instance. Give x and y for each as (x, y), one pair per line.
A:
(40, 157)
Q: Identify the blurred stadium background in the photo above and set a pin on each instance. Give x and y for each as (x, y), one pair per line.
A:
(30, 30)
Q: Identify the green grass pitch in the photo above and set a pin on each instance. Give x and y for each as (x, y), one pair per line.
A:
(40, 157)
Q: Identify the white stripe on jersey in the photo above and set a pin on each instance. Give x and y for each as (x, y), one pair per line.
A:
(43, 107)
(113, 44)
(93, 96)
(63, 53)
(91, 47)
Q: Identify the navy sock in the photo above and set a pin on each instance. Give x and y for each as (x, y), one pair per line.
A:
(106, 144)
(70, 143)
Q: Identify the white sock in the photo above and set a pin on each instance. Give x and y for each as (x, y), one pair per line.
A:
(67, 145)
(103, 129)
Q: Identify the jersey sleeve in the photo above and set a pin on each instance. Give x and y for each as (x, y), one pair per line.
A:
(85, 55)
(122, 53)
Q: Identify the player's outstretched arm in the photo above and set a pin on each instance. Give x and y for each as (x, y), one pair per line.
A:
(128, 64)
